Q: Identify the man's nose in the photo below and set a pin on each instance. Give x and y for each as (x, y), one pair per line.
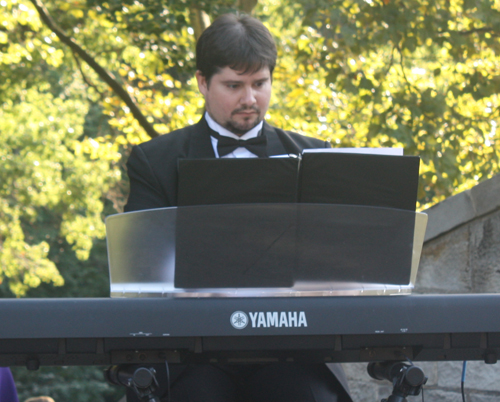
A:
(248, 96)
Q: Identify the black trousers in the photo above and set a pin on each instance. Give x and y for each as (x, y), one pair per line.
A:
(280, 382)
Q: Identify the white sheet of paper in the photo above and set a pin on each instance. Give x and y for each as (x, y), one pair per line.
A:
(373, 151)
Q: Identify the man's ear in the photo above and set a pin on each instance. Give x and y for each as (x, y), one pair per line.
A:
(202, 82)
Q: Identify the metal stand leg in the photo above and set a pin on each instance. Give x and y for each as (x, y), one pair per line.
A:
(141, 380)
(406, 379)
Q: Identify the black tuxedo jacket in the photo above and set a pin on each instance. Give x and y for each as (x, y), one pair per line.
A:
(152, 170)
(152, 166)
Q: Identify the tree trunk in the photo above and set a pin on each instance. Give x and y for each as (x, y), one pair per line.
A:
(199, 21)
(247, 6)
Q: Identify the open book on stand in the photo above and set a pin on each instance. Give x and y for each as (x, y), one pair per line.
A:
(371, 177)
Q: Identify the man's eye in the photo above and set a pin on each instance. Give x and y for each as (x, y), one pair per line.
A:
(232, 86)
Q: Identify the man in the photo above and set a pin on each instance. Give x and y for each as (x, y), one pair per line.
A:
(235, 61)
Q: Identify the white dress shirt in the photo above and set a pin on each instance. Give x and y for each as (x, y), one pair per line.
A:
(240, 152)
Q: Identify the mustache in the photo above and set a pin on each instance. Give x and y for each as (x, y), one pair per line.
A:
(246, 109)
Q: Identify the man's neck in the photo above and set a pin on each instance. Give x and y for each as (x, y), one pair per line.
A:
(254, 132)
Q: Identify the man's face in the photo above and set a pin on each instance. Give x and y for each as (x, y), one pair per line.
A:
(238, 102)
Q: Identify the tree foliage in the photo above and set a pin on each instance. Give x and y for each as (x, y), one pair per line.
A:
(420, 74)
(75, 384)
(48, 161)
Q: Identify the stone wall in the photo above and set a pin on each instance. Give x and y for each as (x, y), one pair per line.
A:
(461, 255)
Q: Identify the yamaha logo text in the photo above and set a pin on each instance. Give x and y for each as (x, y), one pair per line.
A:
(269, 319)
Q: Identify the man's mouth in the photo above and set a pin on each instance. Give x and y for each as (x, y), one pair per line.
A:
(246, 112)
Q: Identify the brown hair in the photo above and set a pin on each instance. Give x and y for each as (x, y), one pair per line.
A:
(242, 43)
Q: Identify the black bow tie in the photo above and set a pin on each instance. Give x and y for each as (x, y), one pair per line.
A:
(226, 145)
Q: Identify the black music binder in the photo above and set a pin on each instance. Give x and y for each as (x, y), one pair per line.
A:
(359, 179)
(330, 178)
(237, 181)
(316, 178)
(232, 247)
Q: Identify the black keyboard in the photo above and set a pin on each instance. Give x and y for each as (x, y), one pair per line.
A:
(37, 332)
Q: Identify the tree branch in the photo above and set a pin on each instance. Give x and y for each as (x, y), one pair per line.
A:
(77, 60)
(106, 76)
(401, 63)
(391, 61)
(471, 31)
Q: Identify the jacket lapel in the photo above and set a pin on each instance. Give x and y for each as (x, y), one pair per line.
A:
(274, 144)
(200, 144)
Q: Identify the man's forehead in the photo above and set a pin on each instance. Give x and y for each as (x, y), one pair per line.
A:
(228, 73)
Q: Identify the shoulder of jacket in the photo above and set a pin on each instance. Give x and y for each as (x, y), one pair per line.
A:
(302, 139)
(172, 140)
